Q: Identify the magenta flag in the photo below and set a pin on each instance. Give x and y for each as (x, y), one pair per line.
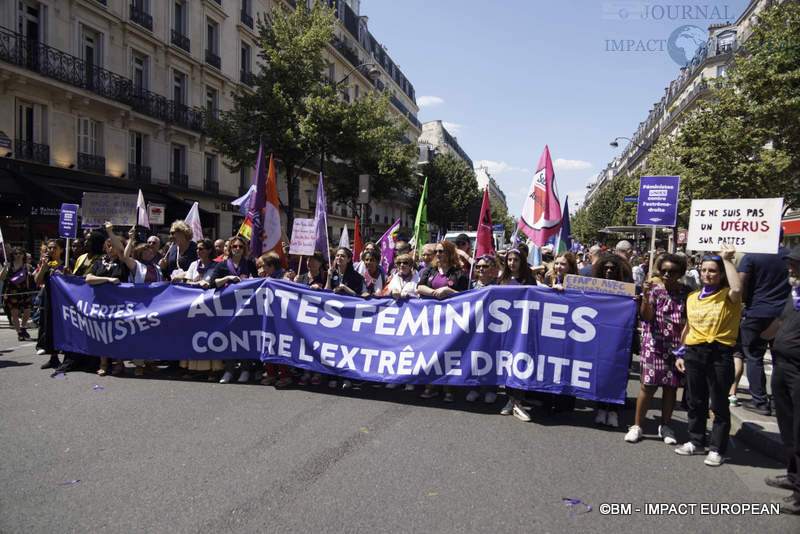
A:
(541, 213)
(321, 224)
(484, 244)
(387, 244)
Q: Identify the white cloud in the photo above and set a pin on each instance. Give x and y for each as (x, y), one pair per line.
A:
(453, 127)
(576, 197)
(499, 167)
(570, 164)
(424, 101)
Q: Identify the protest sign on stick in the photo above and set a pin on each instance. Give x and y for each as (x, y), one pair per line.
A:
(304, 237)
(97, 208)
(749, 224)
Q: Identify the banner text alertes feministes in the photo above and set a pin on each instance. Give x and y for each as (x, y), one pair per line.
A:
(524, 337)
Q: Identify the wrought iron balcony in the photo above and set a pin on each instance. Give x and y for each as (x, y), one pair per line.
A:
(181, 180)
(246, 77)
(247, 19)
(90, 162)
(30, 151)
(141, 17)
(178, 39)
(213, 59)
(58, 65)
(140, 173)
(104, 2)
(211, 185)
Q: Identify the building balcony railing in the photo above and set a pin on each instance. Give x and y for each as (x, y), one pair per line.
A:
(141, 17)
(247, 19)
(104, 2)
(211, 185)
(213, 59)
(349, 55)
(246, 77)
(180, 40)
(181, 180)
(140, 173)
(58, 65)
(30, 151)
(92, 163)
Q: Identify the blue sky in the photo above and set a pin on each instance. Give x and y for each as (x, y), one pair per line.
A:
(509, 76)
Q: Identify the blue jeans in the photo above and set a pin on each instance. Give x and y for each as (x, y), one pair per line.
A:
(754, 348)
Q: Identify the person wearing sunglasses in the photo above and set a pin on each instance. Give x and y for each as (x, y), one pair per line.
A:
(443, 279)
(235, 268)
(610, 267)
(52, 263)
(182, 252)
(485, 276)
(403, 283)
(343, 279)
(713, 314)
(663, 314)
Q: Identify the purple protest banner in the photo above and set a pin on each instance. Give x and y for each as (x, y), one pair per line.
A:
(68, 221)
(658, 201)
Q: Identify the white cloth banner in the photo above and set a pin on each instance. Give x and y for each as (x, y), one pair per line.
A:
(749, 224)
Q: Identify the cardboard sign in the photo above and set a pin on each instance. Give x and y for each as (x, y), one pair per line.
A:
(658, 200)
(599, 285)
(749, 224)
(101, 207)
(68, 221)
(155, 213)
(304, 236)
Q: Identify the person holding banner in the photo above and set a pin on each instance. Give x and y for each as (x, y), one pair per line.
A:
(403, 283)
(231, 271)
(713, 316)
(19, 288)
(663, 314)
(314, 277)
(52, 263)
(374, 277)
(442, 279)
(182, 252)
(199, 270)
(343, 278)
(610, 267)
(486, 272)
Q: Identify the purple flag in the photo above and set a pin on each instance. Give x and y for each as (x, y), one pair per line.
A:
(257, 203)
(387, 243)
(321, 224)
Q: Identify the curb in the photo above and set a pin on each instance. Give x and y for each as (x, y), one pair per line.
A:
(760, 433)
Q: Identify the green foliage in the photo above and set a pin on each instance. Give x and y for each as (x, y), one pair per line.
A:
(452, 190)
(500, 216)
(606, 208)
(301, 116)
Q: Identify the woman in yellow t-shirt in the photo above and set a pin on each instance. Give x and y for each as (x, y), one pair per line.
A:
(713, 315)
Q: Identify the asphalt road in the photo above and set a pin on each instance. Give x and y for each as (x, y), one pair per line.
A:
(170, 455)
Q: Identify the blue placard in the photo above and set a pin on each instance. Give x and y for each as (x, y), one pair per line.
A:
(535, 338)
(658, 200)
(68, 221)
(630, 198)
(498, 228)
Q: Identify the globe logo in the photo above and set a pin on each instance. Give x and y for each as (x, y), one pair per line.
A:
(684, 43)
(623, 13)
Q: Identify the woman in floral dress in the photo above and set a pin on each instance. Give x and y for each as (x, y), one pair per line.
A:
(663, 314)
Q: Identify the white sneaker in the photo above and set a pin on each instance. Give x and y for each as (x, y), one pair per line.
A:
(521, 414)
(600, 418)
(244, 377)
(490, 397)
(667, 434)
(391, 385)
(409, 387)
(688, 449)
(40, 352)
(473, 395)
(508, 409)
(225, 377)
(612, 420)
(634, 434)
(347, 384)
(714, 459)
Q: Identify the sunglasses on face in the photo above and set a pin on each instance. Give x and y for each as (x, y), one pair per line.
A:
(403, 263)
(440, 251)
(610, 267)
(479, 266)
(671, 272)
(234, 247)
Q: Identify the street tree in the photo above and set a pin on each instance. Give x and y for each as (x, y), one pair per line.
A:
(452, 190)
(300, 114)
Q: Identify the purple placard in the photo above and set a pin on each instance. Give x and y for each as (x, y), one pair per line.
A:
(68, 221)
(658, 200)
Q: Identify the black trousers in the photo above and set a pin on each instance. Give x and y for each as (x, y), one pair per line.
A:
(786, 392)
(709, 375)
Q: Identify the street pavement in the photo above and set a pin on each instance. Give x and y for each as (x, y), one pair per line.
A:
(172, 455)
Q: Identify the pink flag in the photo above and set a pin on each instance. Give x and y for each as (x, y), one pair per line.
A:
(541, 213)
(484, 243)
(387, 243)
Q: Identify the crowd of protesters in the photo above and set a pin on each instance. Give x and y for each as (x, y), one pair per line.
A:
(704, 319)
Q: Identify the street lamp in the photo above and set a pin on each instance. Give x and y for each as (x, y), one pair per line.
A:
(615, 144)
(373, 73)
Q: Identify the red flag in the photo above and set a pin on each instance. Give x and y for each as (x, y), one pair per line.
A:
(484, 242)
(358, 243)
(541, 213)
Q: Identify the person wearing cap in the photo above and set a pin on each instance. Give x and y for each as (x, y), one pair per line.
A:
(464, 251)
(765, 287)
(786, 385)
